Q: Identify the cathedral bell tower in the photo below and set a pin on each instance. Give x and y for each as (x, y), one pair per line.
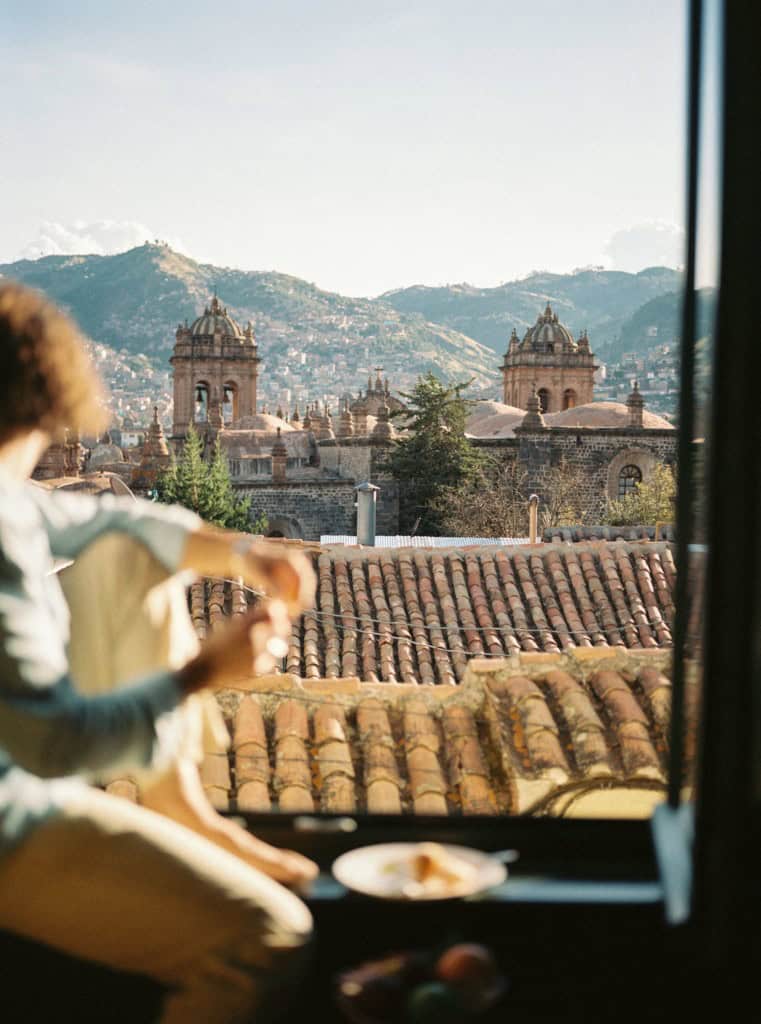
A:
(215, 365)
(550, 360)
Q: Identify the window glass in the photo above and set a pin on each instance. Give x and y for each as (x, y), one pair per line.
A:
(628, 479)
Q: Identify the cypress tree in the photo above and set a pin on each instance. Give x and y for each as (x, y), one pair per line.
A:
(206, 488)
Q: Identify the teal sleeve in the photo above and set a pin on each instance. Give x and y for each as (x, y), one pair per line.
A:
(45, 725)
(73, 521)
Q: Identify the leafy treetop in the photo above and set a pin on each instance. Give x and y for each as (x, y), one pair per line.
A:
(649, 503)
(433, 454)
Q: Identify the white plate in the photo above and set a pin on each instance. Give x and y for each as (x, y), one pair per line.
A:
(370, 870)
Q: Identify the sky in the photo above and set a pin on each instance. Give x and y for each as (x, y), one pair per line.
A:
(361, 145)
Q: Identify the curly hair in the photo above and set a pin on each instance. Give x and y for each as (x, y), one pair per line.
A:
(47, 380)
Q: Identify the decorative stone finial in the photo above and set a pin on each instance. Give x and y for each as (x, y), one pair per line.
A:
(383, 431)
(278, 447)
(533, 420)
(345, 422)
(635, 403)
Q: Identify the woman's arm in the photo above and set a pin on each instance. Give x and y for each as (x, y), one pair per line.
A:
(51, 730)
(178, 539)
(73, 521)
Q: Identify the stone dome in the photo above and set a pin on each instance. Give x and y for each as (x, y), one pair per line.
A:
(603, 414)
(105, 453)
(493, 419)
(548, 335)
(216, 318)
(264, 422)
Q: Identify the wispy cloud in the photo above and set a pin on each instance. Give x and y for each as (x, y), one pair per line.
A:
(651, 243)
(100, 237)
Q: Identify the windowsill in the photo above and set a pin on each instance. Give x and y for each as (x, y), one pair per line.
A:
(561, 862)
(526, 889)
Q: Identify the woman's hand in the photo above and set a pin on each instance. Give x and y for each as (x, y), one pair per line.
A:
(279, 571)
(250, 645)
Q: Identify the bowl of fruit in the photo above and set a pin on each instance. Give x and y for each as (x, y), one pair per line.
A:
(456, 985)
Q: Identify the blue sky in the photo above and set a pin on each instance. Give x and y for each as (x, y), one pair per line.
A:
(363, 146)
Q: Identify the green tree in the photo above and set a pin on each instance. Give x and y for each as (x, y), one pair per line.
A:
(433, 454)
(649, 503)
(206, 488)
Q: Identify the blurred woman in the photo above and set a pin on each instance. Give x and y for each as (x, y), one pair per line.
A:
(181, 895)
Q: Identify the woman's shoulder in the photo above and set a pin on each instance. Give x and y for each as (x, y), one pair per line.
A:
(23, 541)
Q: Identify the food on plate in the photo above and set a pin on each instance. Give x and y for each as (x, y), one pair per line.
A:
(429, 870)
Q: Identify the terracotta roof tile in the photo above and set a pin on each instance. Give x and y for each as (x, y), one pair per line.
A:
(382, 780)
(216, 779)
(251, 757)
(520, 734)
(629, 723)
(292, 776)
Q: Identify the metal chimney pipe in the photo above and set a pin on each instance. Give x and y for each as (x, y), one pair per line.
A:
(367, 494)
(533, 507)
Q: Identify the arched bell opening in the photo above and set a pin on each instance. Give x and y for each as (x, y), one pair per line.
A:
(230, 411)
(570, 399)
(201, 402)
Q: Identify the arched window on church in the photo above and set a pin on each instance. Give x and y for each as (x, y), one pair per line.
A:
(230, 402)
(628, 479)
(569, 399)
(544, 399)
(201, 402)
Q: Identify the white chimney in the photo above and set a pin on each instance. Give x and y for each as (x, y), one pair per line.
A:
(366, 498)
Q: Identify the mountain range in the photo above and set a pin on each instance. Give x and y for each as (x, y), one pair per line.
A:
(599, 301)
(133, 301)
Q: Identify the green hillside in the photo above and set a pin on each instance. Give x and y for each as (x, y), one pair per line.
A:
(657, 322)
(598, 300)
(133, 301)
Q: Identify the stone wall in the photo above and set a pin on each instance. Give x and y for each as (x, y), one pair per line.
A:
(304, 510)
(599, 454)
(350, 458)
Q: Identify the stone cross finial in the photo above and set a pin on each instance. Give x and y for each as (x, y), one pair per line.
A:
(635, 403)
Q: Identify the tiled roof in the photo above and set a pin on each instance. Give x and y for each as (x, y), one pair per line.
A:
(542, 734)
(401, 541)
(415, 616)
(575, 534)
